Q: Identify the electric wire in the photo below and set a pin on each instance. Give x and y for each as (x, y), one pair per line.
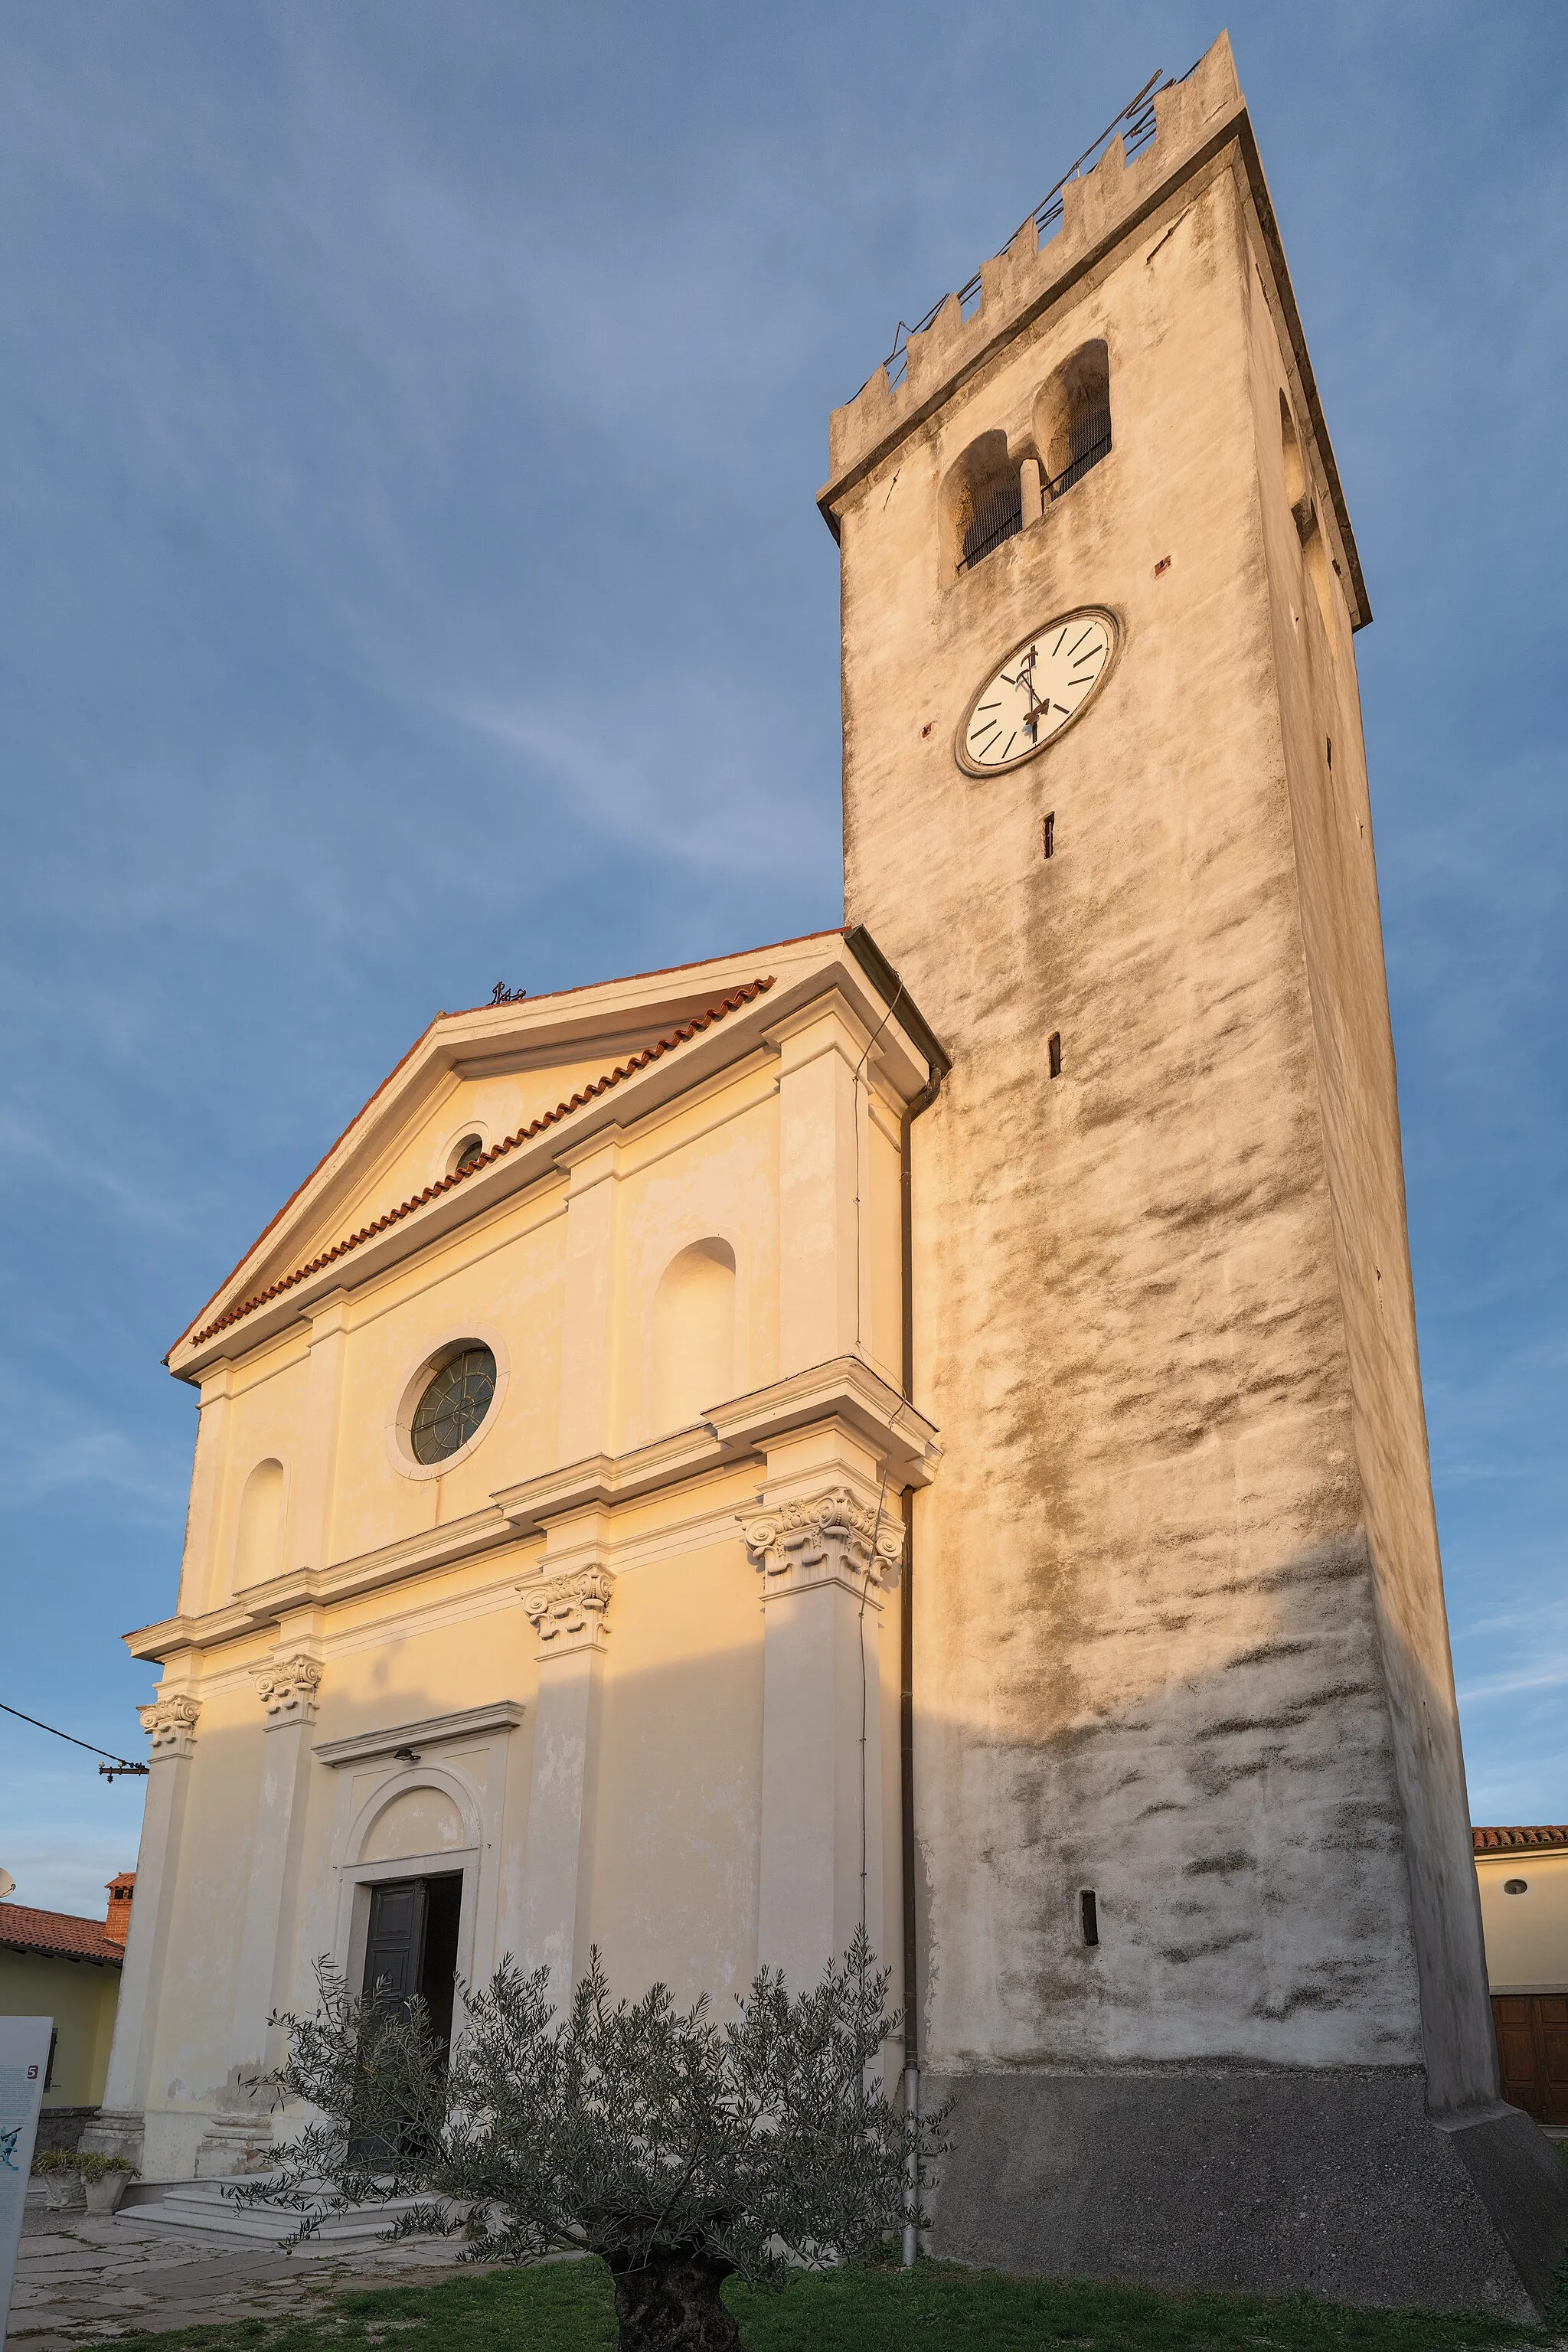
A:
(75, 1742)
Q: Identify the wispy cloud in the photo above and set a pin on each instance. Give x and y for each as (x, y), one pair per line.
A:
(409, 425)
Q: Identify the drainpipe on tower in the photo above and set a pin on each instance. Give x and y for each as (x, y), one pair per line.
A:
(866, 953)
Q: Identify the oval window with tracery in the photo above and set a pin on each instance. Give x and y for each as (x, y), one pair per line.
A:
(453, 1406)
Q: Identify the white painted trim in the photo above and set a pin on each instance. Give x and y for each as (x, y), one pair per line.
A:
(402, 1781)
(482, 1811)
(445, 1162)
(353, 1909)
(436, 1730)
(422, 1369)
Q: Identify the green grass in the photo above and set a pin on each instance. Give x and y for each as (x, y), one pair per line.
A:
(567, 2307)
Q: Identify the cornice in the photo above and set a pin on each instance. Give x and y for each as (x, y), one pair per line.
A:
(847, 1390)
(436, 1730)
(371, 1572)
(714, 1051)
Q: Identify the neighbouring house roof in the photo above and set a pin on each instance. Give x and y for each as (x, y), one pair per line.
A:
(1539, 1840)
(717, 1010)
(57, 1935)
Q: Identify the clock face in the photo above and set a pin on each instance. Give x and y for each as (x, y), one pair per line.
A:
(1039, 689)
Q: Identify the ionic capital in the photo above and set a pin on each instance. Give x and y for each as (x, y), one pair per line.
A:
(825, 1540)
(286, 1688)
(170, 1725)
(568, 1612)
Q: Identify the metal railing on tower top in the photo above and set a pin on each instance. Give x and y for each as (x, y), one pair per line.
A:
(1135, 125)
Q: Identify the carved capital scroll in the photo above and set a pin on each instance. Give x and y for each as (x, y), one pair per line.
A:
(825, 1540)
(170, 1725)
(286, 1688)
(568, 1612)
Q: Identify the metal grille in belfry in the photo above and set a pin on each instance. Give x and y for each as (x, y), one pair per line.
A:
(1088, 440)
(454, 1404)
(996, 517)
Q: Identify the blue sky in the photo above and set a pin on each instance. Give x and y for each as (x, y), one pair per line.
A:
(410, 413)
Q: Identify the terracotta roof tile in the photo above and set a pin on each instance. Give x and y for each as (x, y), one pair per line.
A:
(56, 1934)
(739, 997)
(1539, 1840)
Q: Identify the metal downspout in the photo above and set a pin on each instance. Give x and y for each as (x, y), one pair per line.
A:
(922, 1101)
(891, 990)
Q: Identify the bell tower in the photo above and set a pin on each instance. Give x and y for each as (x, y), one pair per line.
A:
(1199, 1956)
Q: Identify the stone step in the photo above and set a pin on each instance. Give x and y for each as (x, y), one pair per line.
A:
(200, 2208)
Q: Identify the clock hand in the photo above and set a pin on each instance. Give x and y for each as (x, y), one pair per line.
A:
(1027, 682)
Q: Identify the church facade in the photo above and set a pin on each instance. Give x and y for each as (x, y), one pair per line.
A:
(918, 1426)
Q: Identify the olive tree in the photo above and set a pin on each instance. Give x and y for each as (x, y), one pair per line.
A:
(681, 2151)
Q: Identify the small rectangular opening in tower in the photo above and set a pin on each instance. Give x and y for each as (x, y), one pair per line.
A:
(1048, 833)
(1053, 1049)
(1088, 1916)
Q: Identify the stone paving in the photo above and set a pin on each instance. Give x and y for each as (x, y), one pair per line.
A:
(82, 2280)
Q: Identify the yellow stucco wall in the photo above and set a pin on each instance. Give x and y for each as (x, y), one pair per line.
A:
(80, 1996)
(718, 1238)
(1526, 1933)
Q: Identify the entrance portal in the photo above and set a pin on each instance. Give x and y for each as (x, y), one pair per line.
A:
(411, 1946)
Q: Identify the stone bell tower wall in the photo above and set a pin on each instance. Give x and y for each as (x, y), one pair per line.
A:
(1325, 769)
(1179, 1636)
(1146, 1571)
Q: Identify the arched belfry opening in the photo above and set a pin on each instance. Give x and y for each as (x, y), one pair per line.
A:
(1072, 418)
(1291, 454)
(1304, 514)
(981, 504)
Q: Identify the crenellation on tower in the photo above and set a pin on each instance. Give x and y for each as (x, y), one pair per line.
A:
(1200, 118)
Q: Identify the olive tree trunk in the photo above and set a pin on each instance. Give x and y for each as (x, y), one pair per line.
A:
(673, 2305)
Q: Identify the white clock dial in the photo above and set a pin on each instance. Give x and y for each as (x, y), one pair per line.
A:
(1039, 689)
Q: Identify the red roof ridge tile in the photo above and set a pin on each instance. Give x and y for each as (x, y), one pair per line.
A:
(1537, 1839)
(550, 996)
(746, 995)
(60, 1934)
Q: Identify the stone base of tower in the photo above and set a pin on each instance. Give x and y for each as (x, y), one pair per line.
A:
(1332, 2183)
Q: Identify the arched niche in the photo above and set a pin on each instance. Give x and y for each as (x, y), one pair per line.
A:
(1072, 417)
(258, 1538)
(693, 1342)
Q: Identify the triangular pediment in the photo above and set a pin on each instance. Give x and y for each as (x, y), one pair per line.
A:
(523, 1080)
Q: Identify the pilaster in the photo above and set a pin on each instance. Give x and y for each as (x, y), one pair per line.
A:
(818, 1242)
(286, 1687)
(568, 1607)
(171, 1723)
(310, 1502)
(588, 1366)
(200, 1585)
(826, 1541)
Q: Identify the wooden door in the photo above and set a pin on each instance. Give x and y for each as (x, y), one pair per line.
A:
(394, 1948)
(1532, 2053)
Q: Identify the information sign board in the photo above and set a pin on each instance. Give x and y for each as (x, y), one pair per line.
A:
(23, 2063)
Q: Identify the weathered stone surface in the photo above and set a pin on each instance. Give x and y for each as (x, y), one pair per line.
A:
(1180, 1631)
(1327, 2181)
